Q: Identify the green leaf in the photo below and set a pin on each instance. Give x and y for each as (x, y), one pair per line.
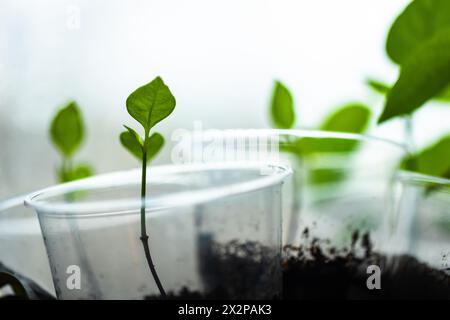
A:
(433, 160)
(424, 75)
(326, 176)
(155, 143)
(79, 171)
(282, 107)
(418, 23)
(384, 88)
(132, 142)
(151, 103)
(378, 86)
(82, 171)
(353, 118)
(67, 129)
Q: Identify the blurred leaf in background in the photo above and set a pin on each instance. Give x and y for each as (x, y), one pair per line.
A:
(282, 107)
(418, 23)
(383, 88)
(350, 118)
(433, 160)
(67, 129)
(67, 134)
(419, 41)
(425, 74)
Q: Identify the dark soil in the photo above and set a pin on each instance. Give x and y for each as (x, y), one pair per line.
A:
(230, 271)
(313, 272)
(310, 272)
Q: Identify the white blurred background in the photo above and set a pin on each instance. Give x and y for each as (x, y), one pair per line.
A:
(218, 57)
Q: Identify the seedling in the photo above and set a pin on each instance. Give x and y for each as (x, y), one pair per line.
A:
(67, 134)
(148, 105)
(423, 57)
(351, 118)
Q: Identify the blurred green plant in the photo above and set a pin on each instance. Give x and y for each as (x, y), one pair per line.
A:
(148, 105)
(350, 118)
(67, 134)
(282, 107)
(433, 160)
(419, 43)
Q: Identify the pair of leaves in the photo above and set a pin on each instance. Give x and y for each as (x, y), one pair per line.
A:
(148, 105)
(419, 41)
(134, 144)
(67, 134)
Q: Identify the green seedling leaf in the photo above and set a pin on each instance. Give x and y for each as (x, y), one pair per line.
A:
(67, 130)
(424, 75)
(156, 142)
(133, 143)
(384, 88)
(353, 118)
(79, 171)
(82, 171)
(433, 161)
(417, 24)
(282, 107)
(151, 103)
(378, 86)
(326, 176)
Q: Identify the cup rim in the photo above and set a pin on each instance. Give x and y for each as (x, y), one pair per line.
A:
(157, 203)
(308, 133)
(422, 179)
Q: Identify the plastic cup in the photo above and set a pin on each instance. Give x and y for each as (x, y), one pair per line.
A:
(214, 232)
(342, 183)
(337, 204)
(420, 227)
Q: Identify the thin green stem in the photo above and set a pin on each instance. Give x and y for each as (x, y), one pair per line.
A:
(144, 236)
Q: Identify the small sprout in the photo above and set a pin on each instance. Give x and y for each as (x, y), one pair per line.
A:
(67, 135)
(148, 105)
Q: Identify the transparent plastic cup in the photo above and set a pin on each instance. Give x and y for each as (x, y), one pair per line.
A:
(341, 182)
(337, 204)
(214, 232)
(420, 227)
(22, 249)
